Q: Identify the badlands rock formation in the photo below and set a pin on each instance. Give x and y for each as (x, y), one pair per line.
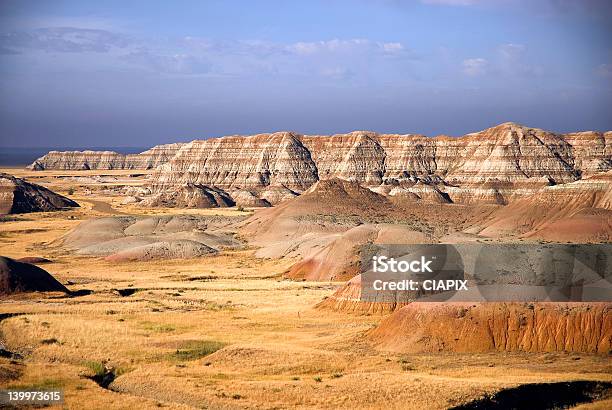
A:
(17, 277)
(83, 160)
(509, 327)
(496, 165)
(340, 259)
(314, 219)
(493, 165)
(190, 196)
(348, 299)
(18, 196)
(129, 238)
(580, 211)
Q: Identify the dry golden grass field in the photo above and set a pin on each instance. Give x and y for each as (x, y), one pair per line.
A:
(221, 332)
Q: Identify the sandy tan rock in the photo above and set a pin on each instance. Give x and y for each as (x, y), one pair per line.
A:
(83, 160)
(275, 194)
(129, 238)
(313, 219)
(497, 165)
(189, 196)
(248, 199)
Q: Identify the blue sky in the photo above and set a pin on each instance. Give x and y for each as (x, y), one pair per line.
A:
(139, 73)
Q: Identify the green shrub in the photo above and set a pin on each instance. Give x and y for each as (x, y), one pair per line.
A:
(196, 350)
(97, 368)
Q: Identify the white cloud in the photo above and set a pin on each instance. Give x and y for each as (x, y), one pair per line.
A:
(345, 46)
(168, 63)
(63, 40)
(475, 66)
(189, 55)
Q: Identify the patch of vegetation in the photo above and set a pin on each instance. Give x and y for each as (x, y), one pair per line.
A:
(337, 375)
(203, 278)
(50, 341)
(97, 368)
(406, 365)
(122, 370)
(102, 375)
(196, 350)
(44, 384)
(158, 328)
(318, 379)
(11, 218)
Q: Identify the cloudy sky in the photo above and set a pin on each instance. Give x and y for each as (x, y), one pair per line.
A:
(139, 73)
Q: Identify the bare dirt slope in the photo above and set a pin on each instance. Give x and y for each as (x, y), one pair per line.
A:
(578, 211)
(505, 327)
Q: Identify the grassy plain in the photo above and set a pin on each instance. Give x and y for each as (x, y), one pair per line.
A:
(225, 331)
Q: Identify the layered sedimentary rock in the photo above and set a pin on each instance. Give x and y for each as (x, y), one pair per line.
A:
(246, 198)
(18, 196)
(347, 298)
(190, 196)
(509, 327)
(83, 160)
(242, 162)
(496, 165)
(577, 211)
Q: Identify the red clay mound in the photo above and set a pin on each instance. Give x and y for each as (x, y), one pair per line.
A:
(486, 327)
(586, 225)
(340, 260)
(333, 197)
(347, 299)
(298, 226)
(569, 212)
(18, 277)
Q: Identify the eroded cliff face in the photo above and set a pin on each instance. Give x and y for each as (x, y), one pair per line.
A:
(241, 162)
(497, 165)
(505, 327)
(83, 160)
